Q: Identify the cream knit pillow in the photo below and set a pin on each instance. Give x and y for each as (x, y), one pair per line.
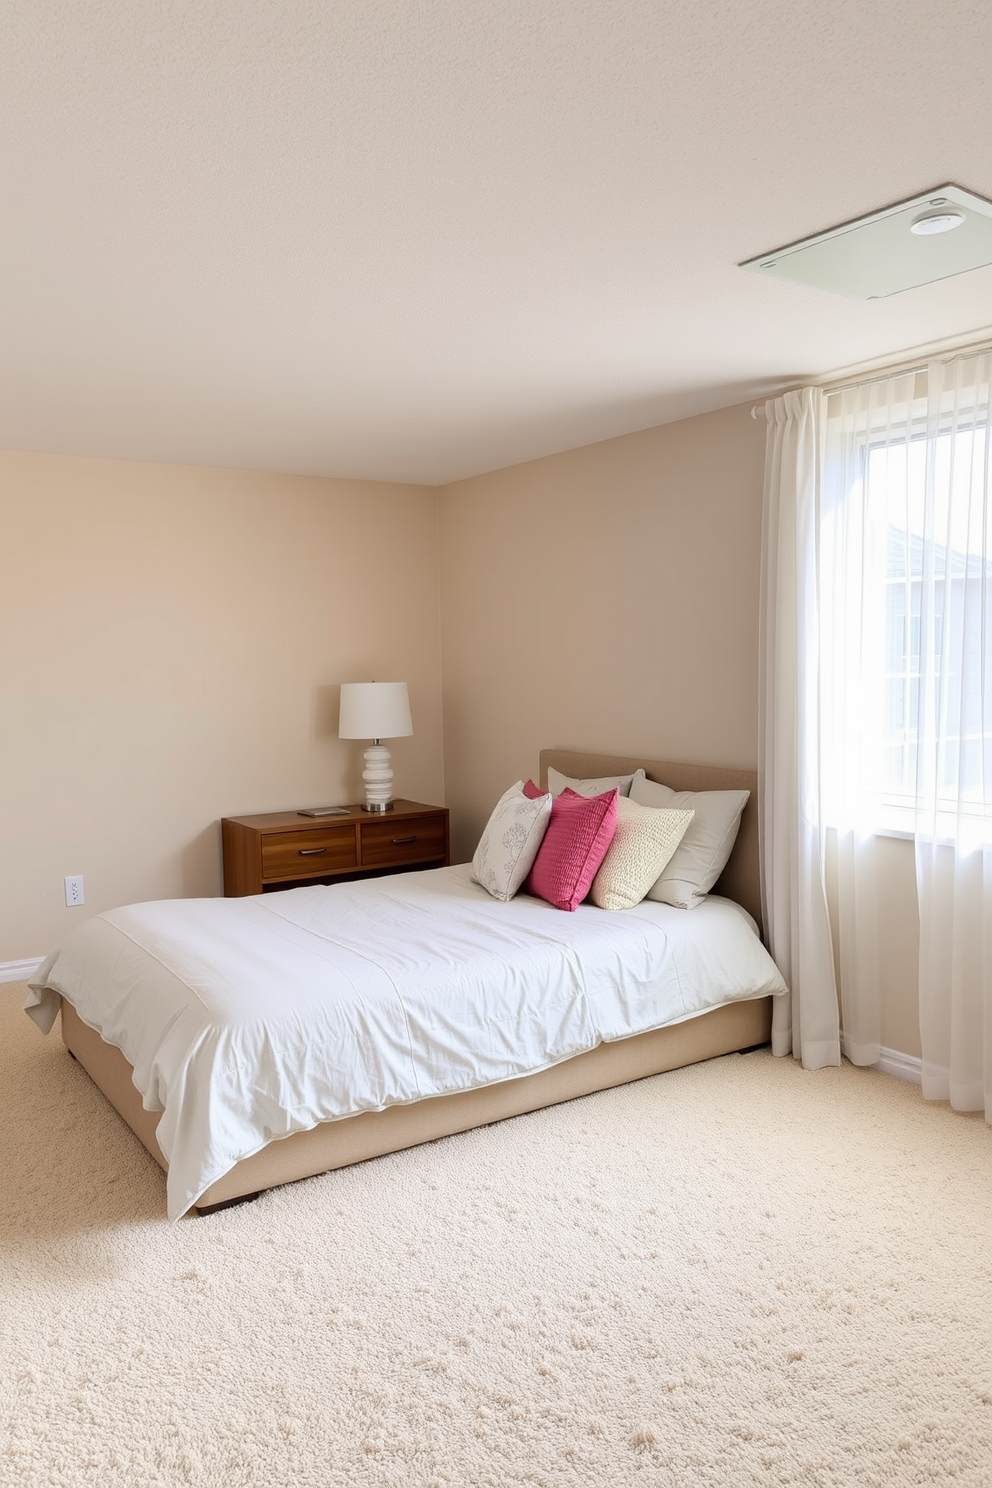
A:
(644, 842)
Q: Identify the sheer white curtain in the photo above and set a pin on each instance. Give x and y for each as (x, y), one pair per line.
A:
(953, 824)
(877, 705)
(791, 826)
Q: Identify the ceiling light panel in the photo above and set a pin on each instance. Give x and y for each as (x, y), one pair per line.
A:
(944, 232)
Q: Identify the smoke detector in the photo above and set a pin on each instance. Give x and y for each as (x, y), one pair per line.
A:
(944, 232)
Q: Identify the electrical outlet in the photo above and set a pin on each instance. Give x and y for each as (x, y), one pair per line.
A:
(74, 890)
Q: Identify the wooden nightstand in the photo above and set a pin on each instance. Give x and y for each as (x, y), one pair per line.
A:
(282, 849)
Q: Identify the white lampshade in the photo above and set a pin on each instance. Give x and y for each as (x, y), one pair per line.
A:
(374, 710)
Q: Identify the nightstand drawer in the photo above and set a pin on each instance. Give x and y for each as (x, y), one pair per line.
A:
(413, 839)
(276, 849)
(309, 853)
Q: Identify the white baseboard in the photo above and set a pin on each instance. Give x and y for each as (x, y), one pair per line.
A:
(893, 1062)
(903, 1066)
(19, 971)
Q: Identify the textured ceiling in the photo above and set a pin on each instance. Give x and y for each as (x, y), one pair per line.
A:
(419, 239)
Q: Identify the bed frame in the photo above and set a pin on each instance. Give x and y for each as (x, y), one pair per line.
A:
(335, 1144)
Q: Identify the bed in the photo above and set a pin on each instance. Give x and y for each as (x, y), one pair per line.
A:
(182, 1012)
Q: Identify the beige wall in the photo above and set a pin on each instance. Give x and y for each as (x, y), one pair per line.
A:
(607, 599)
(602, 599)
(898, 976)
(900, 948)
(170, 643)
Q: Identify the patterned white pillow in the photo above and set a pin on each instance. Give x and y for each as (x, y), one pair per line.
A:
(642, 847)
(509, 844)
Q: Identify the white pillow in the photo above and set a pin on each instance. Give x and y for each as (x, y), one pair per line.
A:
(642, 845)
(509, 844)
(557, 783)
(702, 854)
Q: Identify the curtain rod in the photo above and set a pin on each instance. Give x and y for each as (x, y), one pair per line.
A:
(847, 387)
(899, 369)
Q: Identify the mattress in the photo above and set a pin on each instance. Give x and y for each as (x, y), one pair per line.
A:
(246, 1020)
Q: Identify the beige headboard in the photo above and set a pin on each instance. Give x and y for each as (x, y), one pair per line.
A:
(740, 879)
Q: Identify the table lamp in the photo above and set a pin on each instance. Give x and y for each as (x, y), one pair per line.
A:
(376, 711)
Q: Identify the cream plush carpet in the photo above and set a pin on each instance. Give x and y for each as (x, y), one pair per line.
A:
(733, 1274)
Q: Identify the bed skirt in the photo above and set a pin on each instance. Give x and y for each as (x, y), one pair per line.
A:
(335, 1144)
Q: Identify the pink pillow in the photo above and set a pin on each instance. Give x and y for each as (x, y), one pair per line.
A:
(579, 832)
(533, 792)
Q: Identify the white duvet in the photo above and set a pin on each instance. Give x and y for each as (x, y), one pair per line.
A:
(248, 1019)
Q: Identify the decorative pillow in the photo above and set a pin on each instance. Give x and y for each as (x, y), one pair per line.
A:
(702, 854)
(509, 844)
(643, 844)
(579, 832)
(532, 790)
(557, 782)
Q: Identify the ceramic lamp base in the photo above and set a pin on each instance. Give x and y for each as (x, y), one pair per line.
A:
(378, 777)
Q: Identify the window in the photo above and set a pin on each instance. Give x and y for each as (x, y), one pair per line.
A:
(906, 579)
(952, 559)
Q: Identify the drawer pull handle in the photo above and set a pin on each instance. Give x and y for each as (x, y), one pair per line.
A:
(311, 852)
(399, 841)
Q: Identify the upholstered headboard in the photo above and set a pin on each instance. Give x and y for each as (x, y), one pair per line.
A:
(740, 879)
